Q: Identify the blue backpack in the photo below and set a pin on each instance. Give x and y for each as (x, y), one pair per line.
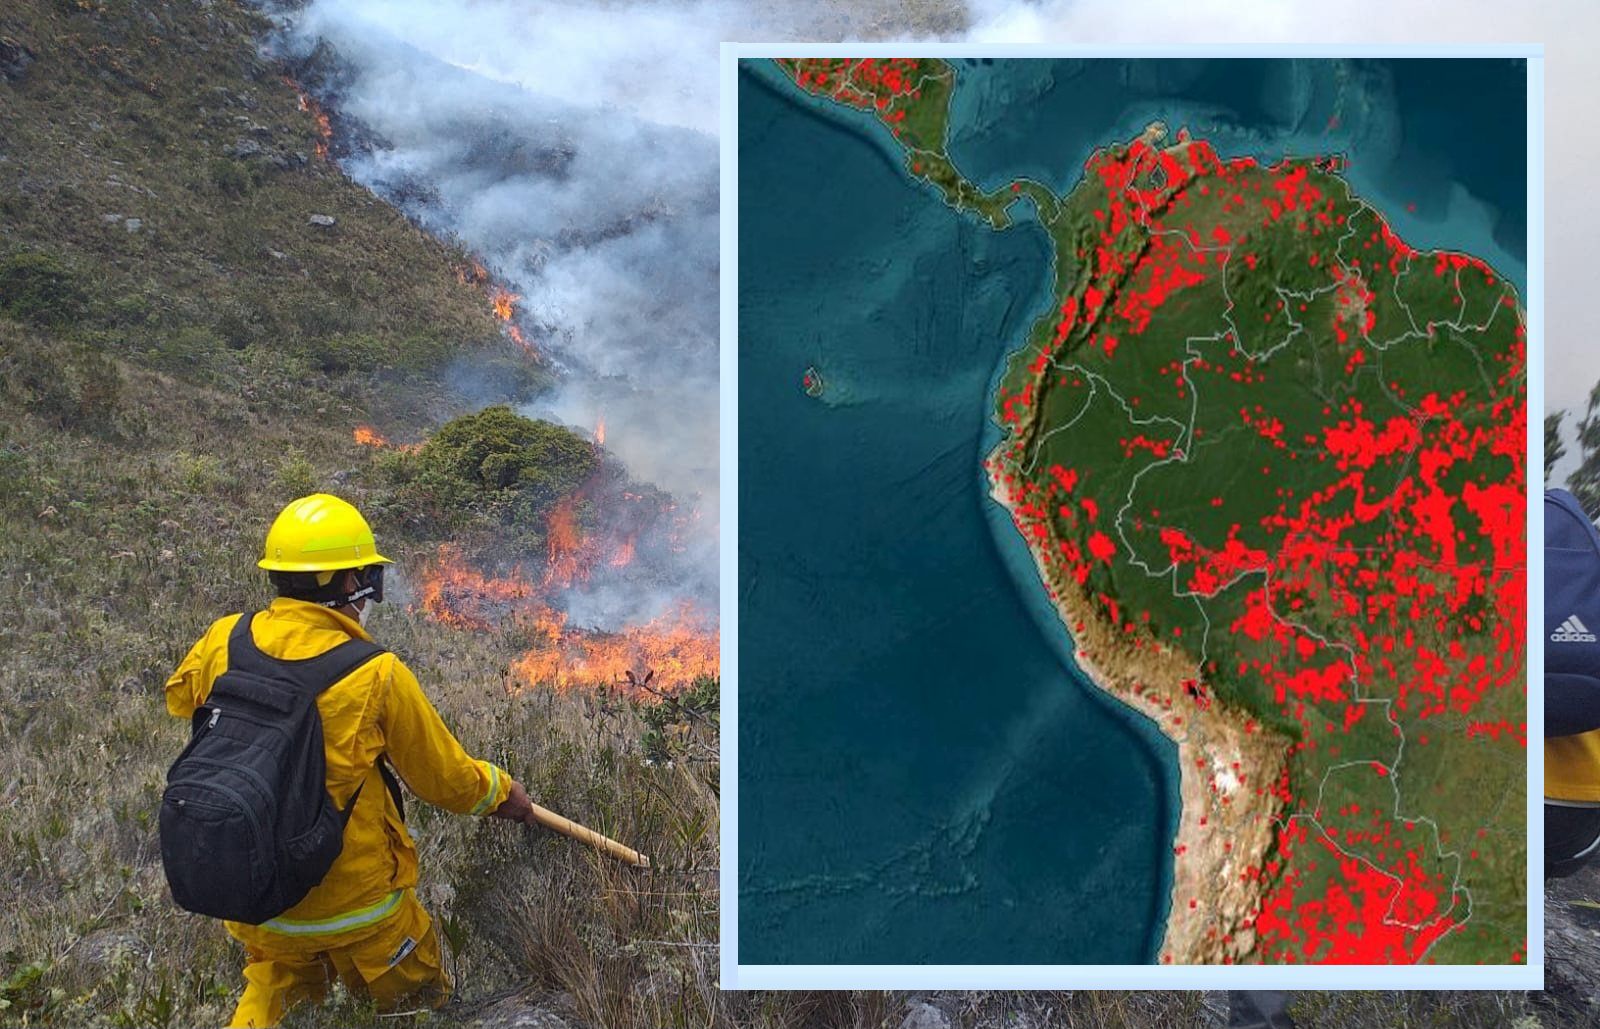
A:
(1571, 617)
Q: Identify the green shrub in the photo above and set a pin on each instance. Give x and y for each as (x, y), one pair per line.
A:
(494, 464)
(71, 385)
(236, 329)
(185, 350)
(232, 178)
(35, 287)
(312, 321)
(684, 725)
(297, 476)
(199, 474)
(345, 352)
(132, 309)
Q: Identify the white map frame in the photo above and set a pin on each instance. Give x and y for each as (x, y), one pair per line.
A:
(736, 975)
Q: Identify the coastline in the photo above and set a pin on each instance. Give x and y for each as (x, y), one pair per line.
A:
(1226, 764)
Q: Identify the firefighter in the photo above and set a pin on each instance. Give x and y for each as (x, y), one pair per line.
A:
(362, 922)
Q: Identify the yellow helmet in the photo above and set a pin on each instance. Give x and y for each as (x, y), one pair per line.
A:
(319, 533)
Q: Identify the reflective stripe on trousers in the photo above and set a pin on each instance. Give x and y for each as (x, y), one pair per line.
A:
(338, 923)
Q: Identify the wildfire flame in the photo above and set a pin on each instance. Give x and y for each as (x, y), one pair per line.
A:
(564, 543)
(504, 303)
(324, 123)
(367, 436)
(501, 300)
(455, 593)
(600, 433)
(679, 646)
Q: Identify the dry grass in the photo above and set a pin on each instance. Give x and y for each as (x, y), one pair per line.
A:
(120, 549)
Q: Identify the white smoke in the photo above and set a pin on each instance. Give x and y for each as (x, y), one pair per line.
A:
(644, 60)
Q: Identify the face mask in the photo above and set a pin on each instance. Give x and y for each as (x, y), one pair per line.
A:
(363, 611)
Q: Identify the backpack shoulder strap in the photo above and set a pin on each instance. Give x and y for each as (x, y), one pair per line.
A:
(313, 673)
(327, 668)
(243, 653)
(393, 784)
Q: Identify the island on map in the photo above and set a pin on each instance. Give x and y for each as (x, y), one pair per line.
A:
(1269, 460)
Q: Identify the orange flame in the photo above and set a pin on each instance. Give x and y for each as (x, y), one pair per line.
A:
(517, 337)
(501, 300)
(677, 647)
(367, 436)
(564, 542)
(324, 124)
(456, 594)
(600, 432)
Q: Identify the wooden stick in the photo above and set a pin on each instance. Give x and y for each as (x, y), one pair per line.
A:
(605, 844)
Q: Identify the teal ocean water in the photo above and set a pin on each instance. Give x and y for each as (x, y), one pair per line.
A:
(924, 777)
(1439, 146)
(920, 781)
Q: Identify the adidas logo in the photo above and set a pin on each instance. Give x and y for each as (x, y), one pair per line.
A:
(1572, 631)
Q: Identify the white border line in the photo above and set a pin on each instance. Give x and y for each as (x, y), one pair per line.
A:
(1535, 655)
(728, 799)
(1154, 976)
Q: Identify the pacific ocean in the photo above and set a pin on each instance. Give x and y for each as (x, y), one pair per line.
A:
(920, 780)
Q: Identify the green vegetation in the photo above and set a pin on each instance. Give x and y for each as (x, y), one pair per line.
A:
(162, 214)
(492, 469)
(34, 287)
(678, 728)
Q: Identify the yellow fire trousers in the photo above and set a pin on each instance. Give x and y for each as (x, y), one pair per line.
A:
(395, 962)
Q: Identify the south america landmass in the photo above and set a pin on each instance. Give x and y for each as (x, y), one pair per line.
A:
(1269, 460)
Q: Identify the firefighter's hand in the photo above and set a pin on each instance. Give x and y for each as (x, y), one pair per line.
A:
(517, 806)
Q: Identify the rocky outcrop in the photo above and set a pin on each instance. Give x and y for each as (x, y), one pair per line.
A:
(14, 59)
(536, 1009)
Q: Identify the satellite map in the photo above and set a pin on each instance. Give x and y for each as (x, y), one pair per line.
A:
(1132, 498)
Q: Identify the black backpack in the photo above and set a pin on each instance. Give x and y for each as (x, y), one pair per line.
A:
(1571, 617)
(247, 825)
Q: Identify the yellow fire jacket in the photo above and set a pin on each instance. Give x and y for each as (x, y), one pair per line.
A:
(377, 709)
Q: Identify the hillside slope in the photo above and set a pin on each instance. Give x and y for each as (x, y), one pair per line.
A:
(196, 311)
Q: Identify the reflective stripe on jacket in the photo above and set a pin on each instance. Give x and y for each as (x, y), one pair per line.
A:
(377, 709)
